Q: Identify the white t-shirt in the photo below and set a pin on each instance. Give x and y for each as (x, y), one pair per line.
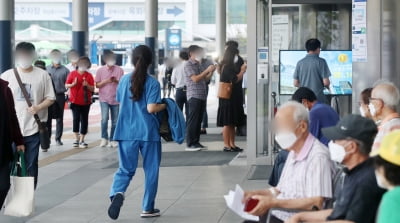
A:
(39, 87)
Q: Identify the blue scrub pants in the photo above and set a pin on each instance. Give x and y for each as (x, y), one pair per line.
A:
(128, 161)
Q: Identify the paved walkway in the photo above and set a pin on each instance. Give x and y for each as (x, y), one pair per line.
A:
(74, 183)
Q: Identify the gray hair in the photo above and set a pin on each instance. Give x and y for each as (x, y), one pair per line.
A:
(388, 93)
(300, 113)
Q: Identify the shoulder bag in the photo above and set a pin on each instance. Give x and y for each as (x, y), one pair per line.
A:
(43, 131)
(225, 89)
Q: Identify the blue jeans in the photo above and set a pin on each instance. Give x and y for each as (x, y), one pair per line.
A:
(32, 144)
(105, 114)
(128, 152)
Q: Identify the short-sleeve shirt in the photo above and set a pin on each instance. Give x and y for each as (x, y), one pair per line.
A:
(39, 87)
(310, 72)
(359, 198)
(306, 174)
(78, 93)
(390, 206)
(389, 124)
(135, 122)
(194, 90)
(108, 92)
(59, 76)
(322, 116)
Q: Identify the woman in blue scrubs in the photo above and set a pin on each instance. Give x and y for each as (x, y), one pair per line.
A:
(137, 131)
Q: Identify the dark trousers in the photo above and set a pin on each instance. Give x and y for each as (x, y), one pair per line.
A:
(4, 182)
(80, 114)
(181, 100)
(279, 163)
(196, 110)
(60, 100)
(32, 144)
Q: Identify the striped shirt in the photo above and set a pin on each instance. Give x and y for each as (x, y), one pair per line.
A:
(388, 124)
(306, 174)
(194, 89)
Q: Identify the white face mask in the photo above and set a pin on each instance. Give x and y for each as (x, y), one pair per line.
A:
(56, 60)
(82, 69)
(236, 59)
(362, 112)
(285, 139)
(337, 152)
(24, 63)
(111, 63)
(198, 58)
(372, 109)
(380, 181)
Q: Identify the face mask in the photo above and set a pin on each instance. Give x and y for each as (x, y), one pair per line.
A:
(372, 109)
(56, 60)
(362, 112)
(236, 59)
(111, 63)
(337, 152)
(379, 180)
(285, 139)
(24, 63)
(198, 58)
(82, 69)
(74, 59)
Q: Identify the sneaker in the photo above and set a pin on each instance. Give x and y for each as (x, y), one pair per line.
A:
(45, 150)
(115, 206)
(193, 148)
(59, 143)
(103, 143)
(76, 144)
(150, 214)
(83, 145)
(113, 144)
(201, 146)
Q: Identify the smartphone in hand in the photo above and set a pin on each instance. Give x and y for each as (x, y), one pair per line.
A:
(250, 204)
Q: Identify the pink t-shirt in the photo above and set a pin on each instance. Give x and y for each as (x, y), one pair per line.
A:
(108, 92)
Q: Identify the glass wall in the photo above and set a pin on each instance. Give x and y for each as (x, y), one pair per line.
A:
(236, 11)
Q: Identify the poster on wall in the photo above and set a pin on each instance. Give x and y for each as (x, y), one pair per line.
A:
(359, 31)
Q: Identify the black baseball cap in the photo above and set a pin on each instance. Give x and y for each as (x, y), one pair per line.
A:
(352, 126)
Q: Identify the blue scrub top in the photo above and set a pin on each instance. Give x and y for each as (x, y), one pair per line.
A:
(134, 121)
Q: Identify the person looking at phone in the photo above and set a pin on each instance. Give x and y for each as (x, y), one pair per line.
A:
(81, 85)
(306, 181)
(107, 78)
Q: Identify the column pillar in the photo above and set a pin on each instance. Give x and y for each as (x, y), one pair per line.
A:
(151, 32)
(80, 27)
(7, 34)
(220, 22)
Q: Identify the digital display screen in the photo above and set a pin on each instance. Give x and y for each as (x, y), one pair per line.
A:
(339, 62)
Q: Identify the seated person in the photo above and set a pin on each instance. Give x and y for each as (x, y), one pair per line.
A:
(358, 199)
(387, 170)
(306, 181)
(321, 116)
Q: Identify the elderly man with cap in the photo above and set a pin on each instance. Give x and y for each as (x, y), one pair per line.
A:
(384, 99)
(358, 198)
(387, 170)
(306, 181)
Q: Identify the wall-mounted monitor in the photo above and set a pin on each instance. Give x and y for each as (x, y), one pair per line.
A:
(339, 62)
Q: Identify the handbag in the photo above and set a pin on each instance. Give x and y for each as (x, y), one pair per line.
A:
(43, 131)
(225, 89)
(20, 198)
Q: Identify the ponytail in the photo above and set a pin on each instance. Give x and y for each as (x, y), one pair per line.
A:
(141, 59)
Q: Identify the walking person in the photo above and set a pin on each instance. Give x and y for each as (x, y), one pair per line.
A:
(59, 75)
(196, 82)
(230, 111)
(39, 87)
(107, 78)
(139, 96)
(10, 133)
(178, 79)
(81, 86)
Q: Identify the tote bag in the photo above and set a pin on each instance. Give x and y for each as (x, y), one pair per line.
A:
(20, 198)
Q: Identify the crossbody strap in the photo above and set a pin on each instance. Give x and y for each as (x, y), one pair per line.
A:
(26, 96)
